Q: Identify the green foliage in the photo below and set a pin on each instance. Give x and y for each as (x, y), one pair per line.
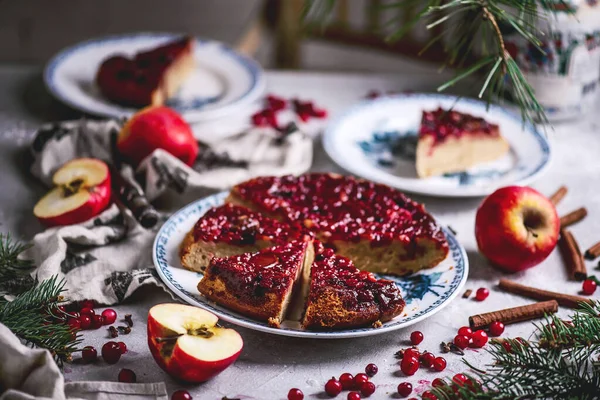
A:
(10, 264)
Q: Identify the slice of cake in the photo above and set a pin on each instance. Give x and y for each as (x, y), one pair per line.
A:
(377, 227)
(229, 230)
(341, 296)
(450, 141)
(149, 78)
(258, 285)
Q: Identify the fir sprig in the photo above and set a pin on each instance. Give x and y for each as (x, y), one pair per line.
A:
(34, 317)
(11, 265)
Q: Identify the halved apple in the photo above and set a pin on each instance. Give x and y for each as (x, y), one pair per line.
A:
(188, 343)
(82, 191)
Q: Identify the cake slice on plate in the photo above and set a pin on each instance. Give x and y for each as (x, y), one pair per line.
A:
(450, 141)
(229, 230)
(258, 285)
(340, 296)
(151, 77)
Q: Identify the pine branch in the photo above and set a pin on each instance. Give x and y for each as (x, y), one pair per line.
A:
(10, 264)
(34, 317)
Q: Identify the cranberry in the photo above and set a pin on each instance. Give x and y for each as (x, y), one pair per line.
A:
(89, 354)
(319, 113)
(479, 338)
(86, 304)
(127, 376)
(465, 331)
(295, 394)
(437, 382)
(439, 364)
(367, 388)
(409, 365)
(427, 359)
(481, 294)
(85, 322)
(87, 311)
(347, 381)
(276, 103)
(333, 387)
(427, 395)
(353, 396)
(589, 286)
(97, 321)
(412, 353)
(111, 352)
(416, 337)
(259, 119)
(461, 341)
(371, 370)
(404, 389)
(507, 346)
(460, 379)
(181, 395)
(74, 324)
(359, 379)
(496, 328)
(122, 347)
(110, 316)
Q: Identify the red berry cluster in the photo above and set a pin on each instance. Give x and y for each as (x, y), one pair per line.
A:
(466, 337)
(86, 318)
(273, 104)
(412, 359)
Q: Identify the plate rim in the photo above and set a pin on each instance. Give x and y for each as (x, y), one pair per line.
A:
(254, 325)
(329, 133)
(251, 65)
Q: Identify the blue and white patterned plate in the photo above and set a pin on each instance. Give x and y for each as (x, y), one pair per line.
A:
(377, 138)
(223, 80)
(426, 292)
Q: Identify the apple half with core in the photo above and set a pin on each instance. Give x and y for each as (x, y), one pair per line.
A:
(516, 228)
(188, 343)
(82, 191)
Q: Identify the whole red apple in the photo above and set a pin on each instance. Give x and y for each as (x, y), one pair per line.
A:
(516, 228)
(82, 191)
(157, 128)
(187, 343)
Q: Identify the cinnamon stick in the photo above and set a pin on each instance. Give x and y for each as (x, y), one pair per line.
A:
(565, 300)
(515, 314)
(558, 195)
(573, 217)
(571, 255)
(593, 252)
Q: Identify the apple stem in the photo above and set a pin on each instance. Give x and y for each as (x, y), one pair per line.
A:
(531, 232)
(72, 187)
(168, 338)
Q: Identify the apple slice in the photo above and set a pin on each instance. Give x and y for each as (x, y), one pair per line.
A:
(188, 343)
(82, 191)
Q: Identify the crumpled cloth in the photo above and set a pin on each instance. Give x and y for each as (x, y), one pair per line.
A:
(27, 374)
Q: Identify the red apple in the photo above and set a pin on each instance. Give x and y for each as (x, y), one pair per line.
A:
(516, 228)
(187, 343)
(157, 128)
(82, 191)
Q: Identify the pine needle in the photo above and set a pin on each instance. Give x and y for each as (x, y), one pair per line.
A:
(11, 265)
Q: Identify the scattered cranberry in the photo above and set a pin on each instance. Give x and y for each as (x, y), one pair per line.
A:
(111, 352)
(127, 376)
(479, 338)
(86, 304)
(347, 381)
(367, 388)
(439, 364)
(416, 337)
(353, 396)
(276, 103)
(333, 387)
(465, 331)
(460, 379)
(404, 389)
(359, 379)
(295, 394)
(74, 323)
(87, 311)
(438, 382)
(122, 347)
(85, 322)
(589, 286)
(259, 119)
(371, 370)
(496, 328)
(427, 359)
(89, 354)
(181, 395)
(481, 294)
(97, 321)
(409, 365)
(110, 316)
(427, 395)
(461, 341)
(507, 346)
(412, 353)
(307, 109)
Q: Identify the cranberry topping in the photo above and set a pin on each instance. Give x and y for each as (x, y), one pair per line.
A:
(442, 124)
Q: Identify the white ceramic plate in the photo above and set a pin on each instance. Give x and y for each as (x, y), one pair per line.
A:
(376, 140)
(426, 292)
(222, 81)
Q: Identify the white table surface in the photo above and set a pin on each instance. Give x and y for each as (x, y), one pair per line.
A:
(270, 365)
